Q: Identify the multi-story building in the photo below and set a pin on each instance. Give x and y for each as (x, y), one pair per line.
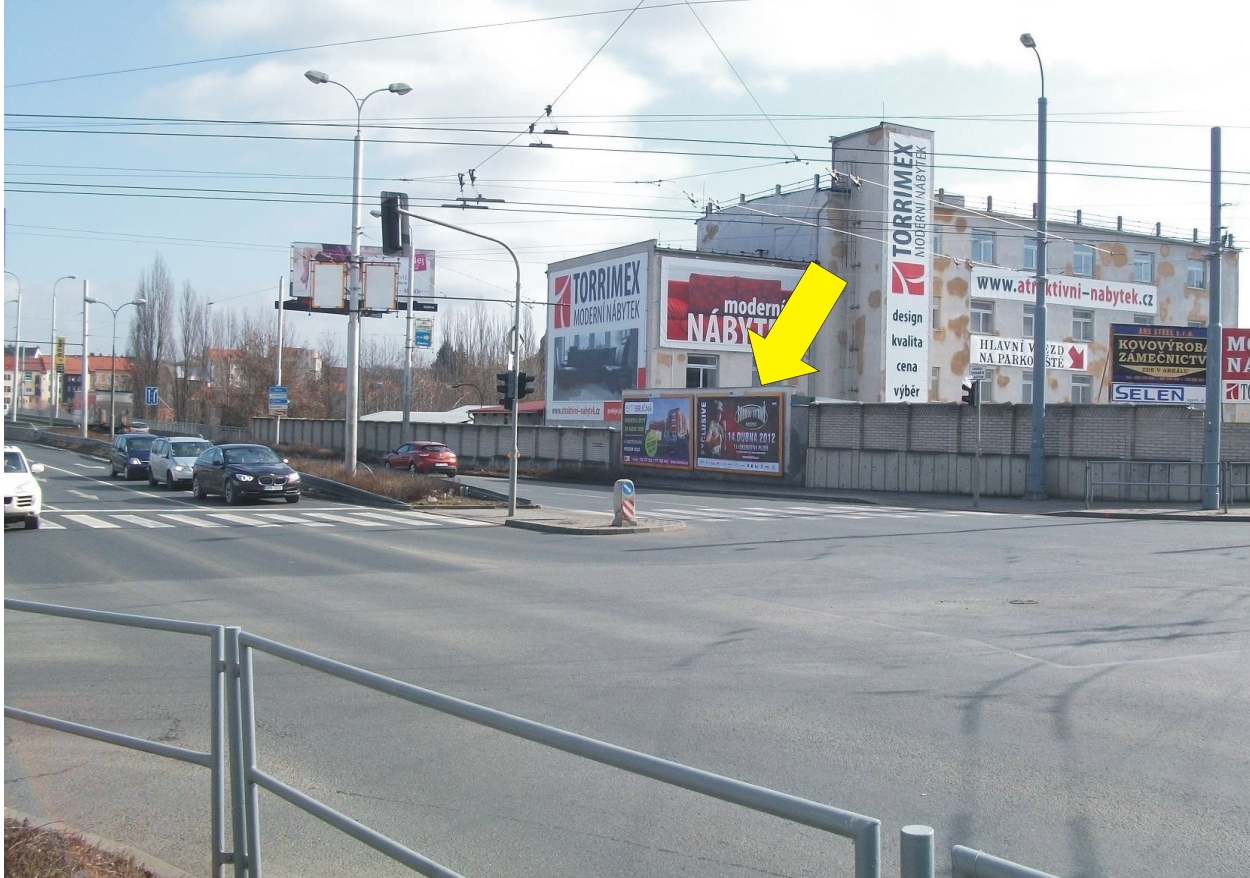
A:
(935, 282)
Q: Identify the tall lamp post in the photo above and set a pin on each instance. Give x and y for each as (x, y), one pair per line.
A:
(54, 391)
(16, 402)
(113, 377)
(352, 414)
(1035, 476)
(86, 357)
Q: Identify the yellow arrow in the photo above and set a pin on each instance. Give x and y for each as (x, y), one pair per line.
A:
(780, 355)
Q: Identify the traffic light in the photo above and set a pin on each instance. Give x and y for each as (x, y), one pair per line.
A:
(503, 385)
(396, 236)
(525, 385)
(972, 393)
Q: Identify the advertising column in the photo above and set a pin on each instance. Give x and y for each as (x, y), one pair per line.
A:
(909, 175)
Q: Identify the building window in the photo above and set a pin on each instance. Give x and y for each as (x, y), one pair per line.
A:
(1144, 319)
(1083, 260)
(1026, 387)
(1082, 389)
(1029, 311)
(935, 242)
(701, 370)
(983, 247)
(1082, 325)
(1030, 254)
(1196, 274)
(982, 316)
(1143, 267)
(935, 316)
(934, 377)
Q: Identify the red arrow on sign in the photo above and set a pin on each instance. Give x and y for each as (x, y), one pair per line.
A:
(1077, 358)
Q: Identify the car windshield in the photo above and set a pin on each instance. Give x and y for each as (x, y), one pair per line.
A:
(436, 449)
(250, 454)
(14, 462)
(189, 449)
(140, 443)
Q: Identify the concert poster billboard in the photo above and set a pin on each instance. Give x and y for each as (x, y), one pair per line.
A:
(740, 434)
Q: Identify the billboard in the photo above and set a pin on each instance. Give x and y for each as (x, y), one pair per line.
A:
(1235, 365)
(741, 434)
(596, 329)
(908, 259)
(655, 431)
(1158, 364)
(989, 282)
(994, 350)
(319, 274)
(710, 304)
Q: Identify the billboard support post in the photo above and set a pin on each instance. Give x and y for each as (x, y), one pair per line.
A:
(1215, 347)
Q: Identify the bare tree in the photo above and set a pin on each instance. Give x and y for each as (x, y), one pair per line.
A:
(189, 375)
(475, 348)
(151, 332)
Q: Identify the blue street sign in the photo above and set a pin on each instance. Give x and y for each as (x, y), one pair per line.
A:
(149, 395)
(425, 338)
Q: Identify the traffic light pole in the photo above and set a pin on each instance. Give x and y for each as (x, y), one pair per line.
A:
(976, 462)
(514, 348)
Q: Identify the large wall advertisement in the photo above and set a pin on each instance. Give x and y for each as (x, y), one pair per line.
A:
(1158, 364)
(1236, 365)
(989, 282)
(741, 434)
(596, 330)
(709, 305)
(908, 258)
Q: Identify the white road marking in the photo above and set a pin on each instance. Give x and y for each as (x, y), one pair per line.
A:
(186, 519)
(142, 522)
(444, 519)
(44, 524)
(83, 494)
(346, 519)
(239, 519)
(91, 465)
(292, 519)
(92, 522)
(383, 516)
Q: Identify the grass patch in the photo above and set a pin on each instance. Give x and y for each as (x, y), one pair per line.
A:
(398, 485)
(36, 852)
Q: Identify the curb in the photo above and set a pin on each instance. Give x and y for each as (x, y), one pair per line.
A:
(145, 860)
(1133, 515)
(605, 530)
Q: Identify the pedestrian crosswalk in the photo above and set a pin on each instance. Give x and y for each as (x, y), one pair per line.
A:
(197, 518)
(848, 512)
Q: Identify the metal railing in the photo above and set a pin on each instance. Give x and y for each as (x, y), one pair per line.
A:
(1125, 476)
(232, 715)
(214, 760)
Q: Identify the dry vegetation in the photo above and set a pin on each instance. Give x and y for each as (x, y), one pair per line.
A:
(378, 479)
(36, 852)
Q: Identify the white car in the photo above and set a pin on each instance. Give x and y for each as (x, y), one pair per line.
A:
(171, 460)
(23, 499)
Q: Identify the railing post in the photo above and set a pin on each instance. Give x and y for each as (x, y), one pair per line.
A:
(238, 809)
(248, 714)
(916, 852)
(1089, 483)
(217, 749)
(868, 851)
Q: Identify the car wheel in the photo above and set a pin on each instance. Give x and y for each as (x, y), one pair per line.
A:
(152, 480)
(112, 471)
(169, 481)
(451, 474)
(292, 498)
(32, 522)
(230, 495)
(412, 469)
(196, 491)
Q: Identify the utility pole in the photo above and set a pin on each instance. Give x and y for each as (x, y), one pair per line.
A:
(277, 418)
(86, 371)
(1215, 346)
(408, 343)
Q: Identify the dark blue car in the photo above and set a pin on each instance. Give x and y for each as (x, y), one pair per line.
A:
(130, 454)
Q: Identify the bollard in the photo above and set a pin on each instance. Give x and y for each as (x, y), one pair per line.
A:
(623, 503)
(916, 851)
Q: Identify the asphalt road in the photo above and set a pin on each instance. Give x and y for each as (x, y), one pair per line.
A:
(1072, 694)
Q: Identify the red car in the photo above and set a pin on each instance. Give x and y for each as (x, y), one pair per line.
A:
(423, 457)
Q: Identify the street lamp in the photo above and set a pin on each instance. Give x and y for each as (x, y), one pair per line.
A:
(352, 414)
(1035, 476)
(54, 407)
(480, 402)
(17, 352)
(86, 357)
(113, 377)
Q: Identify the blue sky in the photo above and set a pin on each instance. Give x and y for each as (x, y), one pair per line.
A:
(100, 198)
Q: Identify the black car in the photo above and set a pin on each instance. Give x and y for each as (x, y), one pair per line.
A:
(130, 454)
(239, 472)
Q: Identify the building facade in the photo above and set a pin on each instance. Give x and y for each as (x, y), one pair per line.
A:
(936, 283)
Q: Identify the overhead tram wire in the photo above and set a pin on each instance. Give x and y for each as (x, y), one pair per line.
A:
(359, 42)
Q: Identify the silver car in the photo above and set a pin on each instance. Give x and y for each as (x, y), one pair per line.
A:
(172, 457)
